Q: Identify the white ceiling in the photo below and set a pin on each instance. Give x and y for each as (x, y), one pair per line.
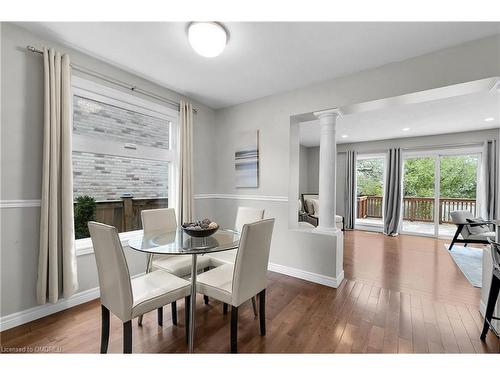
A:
(451, 115)
(261, 58)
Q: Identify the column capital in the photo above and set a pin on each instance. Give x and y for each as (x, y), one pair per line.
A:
(333, 112)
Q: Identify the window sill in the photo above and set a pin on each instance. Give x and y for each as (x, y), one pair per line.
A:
(84, 246)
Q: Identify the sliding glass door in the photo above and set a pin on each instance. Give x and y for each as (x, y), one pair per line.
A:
(457, 189)
(419, 191)
(370, 189)
(435, 184)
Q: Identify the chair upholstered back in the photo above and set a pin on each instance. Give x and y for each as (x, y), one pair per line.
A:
(159, 219)
(114, 276)
(307, 202)
(460, 217)
(246, 215)
(250, 268)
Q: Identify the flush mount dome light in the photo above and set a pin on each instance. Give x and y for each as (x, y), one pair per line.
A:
(207, 38)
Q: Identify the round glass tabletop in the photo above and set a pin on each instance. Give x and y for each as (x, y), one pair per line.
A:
(178, 242)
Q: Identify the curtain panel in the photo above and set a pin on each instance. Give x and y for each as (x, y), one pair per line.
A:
(393, 192)
(350, 189)
(489, 181)
(185, 185)
(57, 271)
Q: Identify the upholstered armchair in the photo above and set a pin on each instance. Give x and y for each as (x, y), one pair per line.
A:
(470, 229)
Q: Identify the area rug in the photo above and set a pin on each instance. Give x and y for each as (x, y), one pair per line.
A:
(470, 261)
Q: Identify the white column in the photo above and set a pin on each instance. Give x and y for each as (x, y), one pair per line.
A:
(327, 170)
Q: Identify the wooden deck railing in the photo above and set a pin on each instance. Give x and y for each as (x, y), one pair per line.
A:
(125, 213)
(417, 209)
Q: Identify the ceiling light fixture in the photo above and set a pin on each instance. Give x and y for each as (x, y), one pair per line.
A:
(489, 119)
(207, 38)
(405, 129)
(344, 136)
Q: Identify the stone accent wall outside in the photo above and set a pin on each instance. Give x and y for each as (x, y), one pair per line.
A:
(95, 119)
(107, 177)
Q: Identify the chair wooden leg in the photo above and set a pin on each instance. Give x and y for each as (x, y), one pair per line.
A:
(104, 329)
(254, 306)
(455, 237)
(160, 316)
(174, 313)
(205, 298)
(492, 300)
(187, 305)
(262, 312)
(224, 308)
(465, 244)
(127, 337)
(234, 329)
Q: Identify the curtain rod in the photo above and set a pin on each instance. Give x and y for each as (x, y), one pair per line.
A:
(450, 145)
(116, 82)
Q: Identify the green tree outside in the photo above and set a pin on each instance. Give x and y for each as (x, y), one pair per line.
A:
(370, 177)
(458, 177)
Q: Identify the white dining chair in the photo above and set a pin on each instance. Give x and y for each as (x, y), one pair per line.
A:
(244, 215)
(236, 283)
(164, 220)
(125, 297)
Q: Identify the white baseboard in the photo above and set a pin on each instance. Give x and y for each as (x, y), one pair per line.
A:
(306, 275)
(37, 312)
(482, 310)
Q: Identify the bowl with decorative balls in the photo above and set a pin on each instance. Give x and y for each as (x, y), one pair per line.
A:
(201, 228)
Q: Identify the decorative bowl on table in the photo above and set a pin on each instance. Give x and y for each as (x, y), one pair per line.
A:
(202, 228)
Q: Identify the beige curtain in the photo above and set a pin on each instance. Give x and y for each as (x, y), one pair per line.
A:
(57, 258)
(185, 188)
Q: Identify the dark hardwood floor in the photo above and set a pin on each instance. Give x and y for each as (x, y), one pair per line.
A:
(400, 295)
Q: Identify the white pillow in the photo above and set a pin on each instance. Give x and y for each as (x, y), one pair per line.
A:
(315, 203)
(477, 229)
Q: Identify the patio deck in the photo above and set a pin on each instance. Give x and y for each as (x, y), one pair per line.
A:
(417, 227)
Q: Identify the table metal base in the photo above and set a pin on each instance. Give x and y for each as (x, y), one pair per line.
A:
(192, 307)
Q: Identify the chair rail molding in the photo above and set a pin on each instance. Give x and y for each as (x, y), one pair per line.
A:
(20, 203)
(272, 198)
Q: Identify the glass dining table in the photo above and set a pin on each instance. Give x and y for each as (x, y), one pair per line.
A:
(180, 243)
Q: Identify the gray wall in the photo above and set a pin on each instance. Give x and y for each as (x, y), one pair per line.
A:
(308, 169)
(21, 151)
(271, 115)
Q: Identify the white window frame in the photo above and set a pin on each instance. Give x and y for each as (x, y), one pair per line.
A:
(94, 91)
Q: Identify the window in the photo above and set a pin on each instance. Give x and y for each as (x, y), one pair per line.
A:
(369, 189)
(124, 155)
